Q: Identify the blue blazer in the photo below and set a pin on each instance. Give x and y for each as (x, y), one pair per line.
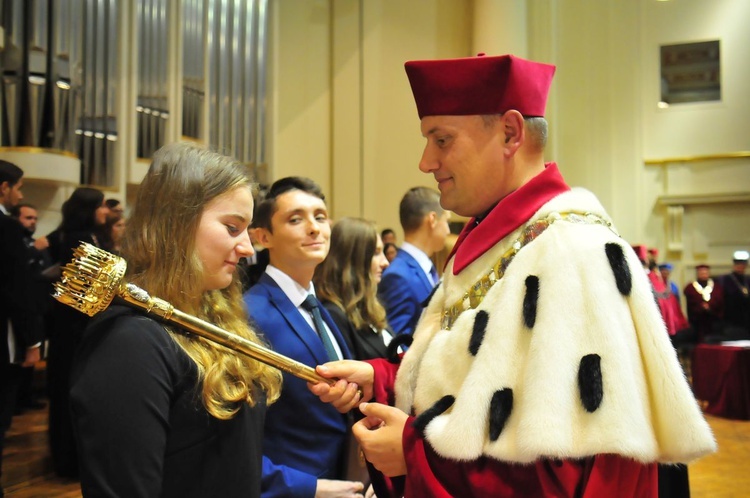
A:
(402, 290)
(303, 438)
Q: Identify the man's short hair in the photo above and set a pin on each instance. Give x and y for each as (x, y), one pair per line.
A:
(10, 173)
(15, 211)
(266, 207)
(417, 203)
(112, 203)
(537, 129)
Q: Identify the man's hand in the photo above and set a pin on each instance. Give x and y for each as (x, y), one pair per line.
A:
(354, 376)
(41, 243)
(339, 489)
(379, 434)
(33, 355)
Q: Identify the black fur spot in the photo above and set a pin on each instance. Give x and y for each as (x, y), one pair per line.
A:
(420, 423)
(530, 300)
(590, 382)
(391, 352)
(432, 293)
(500, 408)
(477, 335)
(619, 267)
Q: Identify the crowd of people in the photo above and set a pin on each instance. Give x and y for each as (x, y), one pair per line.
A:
(33, 325)
(717, 307)
(505, 373)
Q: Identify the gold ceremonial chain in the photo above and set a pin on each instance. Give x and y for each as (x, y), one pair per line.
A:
(706, 291)
(742, 287)
(95, 277)
(477, 292)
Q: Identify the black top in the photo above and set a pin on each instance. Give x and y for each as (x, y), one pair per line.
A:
(141, 428)
(364, 343)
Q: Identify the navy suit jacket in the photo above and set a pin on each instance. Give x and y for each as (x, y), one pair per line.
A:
(402, 290)
(304, 439)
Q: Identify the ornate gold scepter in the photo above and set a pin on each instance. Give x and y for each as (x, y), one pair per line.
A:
(94, 277)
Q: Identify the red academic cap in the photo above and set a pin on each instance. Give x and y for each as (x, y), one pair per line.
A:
(642, 252)
(480, 85)
(703, 265)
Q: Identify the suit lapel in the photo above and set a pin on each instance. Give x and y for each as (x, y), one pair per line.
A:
(418, 272)
(297, 324)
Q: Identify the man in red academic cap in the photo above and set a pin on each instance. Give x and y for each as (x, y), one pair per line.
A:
(705, 303)
(540, 367)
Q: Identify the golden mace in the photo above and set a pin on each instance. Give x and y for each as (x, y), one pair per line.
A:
(94, 277)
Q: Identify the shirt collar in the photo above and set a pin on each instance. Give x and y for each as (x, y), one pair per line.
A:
(294, 291)
(511, 212)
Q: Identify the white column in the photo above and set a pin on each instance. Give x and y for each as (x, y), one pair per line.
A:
(500, 27)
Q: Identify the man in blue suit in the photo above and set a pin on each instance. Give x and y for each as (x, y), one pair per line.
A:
(304, 440)
(410, 278)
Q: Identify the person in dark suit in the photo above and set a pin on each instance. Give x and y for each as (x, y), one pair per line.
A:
(38, 260)
(304, 440)
(737, 298)
(156, 411)
(410, 278)
(20, 329)
(347, 283)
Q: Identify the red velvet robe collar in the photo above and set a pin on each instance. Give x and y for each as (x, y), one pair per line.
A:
(511, 212)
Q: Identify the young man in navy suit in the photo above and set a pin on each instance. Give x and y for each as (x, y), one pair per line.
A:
(305, 441)
(410, 278)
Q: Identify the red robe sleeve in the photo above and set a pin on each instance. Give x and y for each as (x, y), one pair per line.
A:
(385, 379)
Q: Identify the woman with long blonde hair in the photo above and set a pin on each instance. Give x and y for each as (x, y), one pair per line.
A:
(347, 284)
(157, 411)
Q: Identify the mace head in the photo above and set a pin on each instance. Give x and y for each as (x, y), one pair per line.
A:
(91, 280)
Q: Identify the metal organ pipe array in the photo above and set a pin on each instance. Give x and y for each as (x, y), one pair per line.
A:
(65, 78)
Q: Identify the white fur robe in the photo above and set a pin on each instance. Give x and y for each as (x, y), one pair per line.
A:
(647, 411)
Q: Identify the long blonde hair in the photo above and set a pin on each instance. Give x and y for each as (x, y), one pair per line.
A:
(345, 276)
(159, 246)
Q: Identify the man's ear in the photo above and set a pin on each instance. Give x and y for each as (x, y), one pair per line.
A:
(432, 219)
(4, 187)
(264, 237)
(514, 131)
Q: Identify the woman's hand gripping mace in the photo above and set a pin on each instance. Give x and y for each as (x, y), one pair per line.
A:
(94, 277)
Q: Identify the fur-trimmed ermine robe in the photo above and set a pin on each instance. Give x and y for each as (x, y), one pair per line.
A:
(562, 381)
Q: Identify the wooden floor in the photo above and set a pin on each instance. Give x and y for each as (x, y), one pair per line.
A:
(27, 474)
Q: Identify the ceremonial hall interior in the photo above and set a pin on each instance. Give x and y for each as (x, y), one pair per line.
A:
(648, 109)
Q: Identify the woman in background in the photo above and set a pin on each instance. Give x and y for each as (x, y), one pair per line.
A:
(161, 412)
(347, 285)
(83, 215)
(112, 232)
(390, 250)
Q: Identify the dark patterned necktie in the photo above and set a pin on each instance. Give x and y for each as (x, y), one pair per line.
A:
(312, 305)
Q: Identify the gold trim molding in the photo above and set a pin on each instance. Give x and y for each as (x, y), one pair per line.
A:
(39, 150)
(695, 159)
(694, 199)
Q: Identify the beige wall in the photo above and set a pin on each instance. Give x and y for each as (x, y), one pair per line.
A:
(710, 228)
(371, 158)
